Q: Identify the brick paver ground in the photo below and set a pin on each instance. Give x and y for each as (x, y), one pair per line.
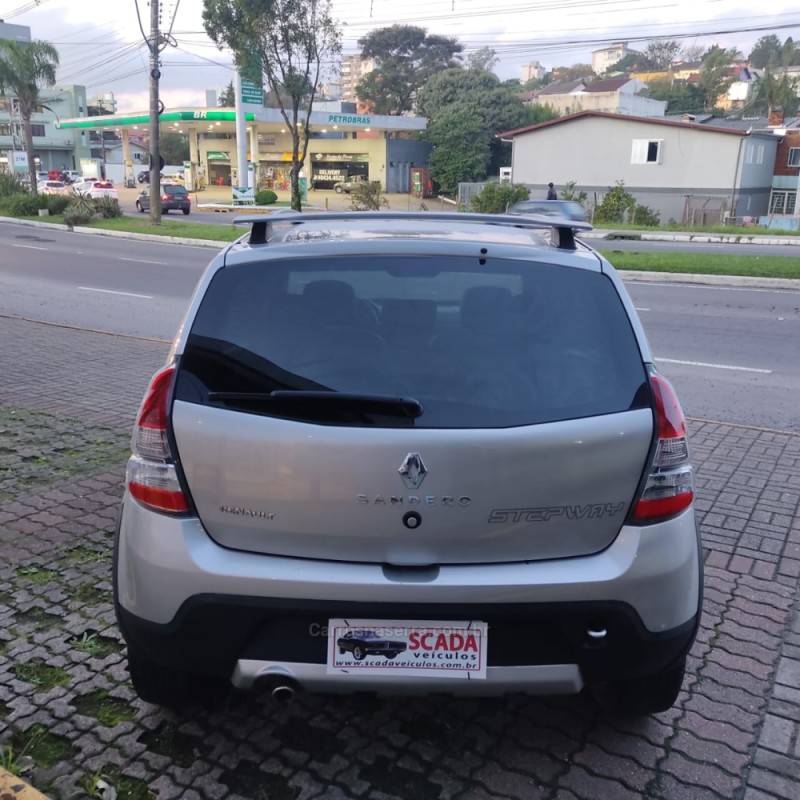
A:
(67, 712)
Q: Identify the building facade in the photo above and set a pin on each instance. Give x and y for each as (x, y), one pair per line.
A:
(608, 56)
(337, 148)
(352, 70)
(685, 171)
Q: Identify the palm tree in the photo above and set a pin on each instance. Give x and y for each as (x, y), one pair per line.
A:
(25, 69)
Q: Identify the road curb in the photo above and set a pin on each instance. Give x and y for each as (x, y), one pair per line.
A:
(736, 281)
(14, 788)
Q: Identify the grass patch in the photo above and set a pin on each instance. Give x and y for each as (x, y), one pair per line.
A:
(46, 749)
(36, 574)
(705, 264)
(95, 644)
(90, 594)
(126, 788)
(108, 711)
(722, 230)
(39, 618)
(167, 740)
(43, 676)
(192, 230)
(5, 710)
(86, 555)
(38, 449)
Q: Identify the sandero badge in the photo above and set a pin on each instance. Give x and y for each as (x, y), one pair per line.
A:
(413, 470)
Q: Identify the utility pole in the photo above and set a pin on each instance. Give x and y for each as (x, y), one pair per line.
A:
(155, 109)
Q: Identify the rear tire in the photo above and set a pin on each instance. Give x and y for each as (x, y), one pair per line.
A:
(186, 211)
(638, 697)
(139, 207)
(338, 189)
(358, 653)
(171, 688)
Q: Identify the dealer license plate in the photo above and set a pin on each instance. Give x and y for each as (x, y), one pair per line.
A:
(407, 648)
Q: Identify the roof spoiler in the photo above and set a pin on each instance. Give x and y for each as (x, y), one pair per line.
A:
(562, 229)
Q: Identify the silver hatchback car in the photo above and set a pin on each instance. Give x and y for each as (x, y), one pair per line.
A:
(410, 453)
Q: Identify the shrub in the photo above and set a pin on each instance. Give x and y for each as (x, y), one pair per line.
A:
(615, 205)
(644, 215)
(76, 216)
(266, 197)
(56, 203)
(367, 196)
(25, 205)
(10, 184)
(83, 204)
(108, 207)
(495, 198)
(569, 193)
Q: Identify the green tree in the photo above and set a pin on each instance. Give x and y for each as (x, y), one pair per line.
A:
(484, 58)
(790, 54)
(681, 97)
(715, 74)
(227, 97)
(574, 73)
(292, 39)
(766, 52)
(461, 149)
(25, 69)
(538, 112)
(406, 58)
(777, 92)
(633, 62)
(174, 148)
(660, 53)
(479, 94)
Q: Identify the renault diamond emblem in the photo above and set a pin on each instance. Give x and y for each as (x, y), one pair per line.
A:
(413, 471)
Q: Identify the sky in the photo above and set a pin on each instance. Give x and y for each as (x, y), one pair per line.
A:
(101, 44)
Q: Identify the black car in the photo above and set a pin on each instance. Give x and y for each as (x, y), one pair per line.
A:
(367, 643)
(550, 208)
(173, 198)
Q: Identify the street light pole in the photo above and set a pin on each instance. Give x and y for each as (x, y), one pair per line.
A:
(155, 109)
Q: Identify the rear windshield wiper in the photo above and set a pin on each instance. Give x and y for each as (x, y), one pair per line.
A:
(367, 403)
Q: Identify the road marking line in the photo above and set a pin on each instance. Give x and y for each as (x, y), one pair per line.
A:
(30, 247)
(143, 261)
(641, 309)
(109, 291)
(714, 366)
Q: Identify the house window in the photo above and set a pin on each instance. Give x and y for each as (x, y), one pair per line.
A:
(794, 157)
(782, 202)
(646, 151)
(5, 129)
(760, 154)
(37, 130)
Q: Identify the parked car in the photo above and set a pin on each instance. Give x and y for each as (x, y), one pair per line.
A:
(41, 176)
(98, 189)
(365, 643)
(71, 176)
(550, 208)
(448, 429)
(349, 185)
(173, 177)
(173, 198)
(84, 185)
(53, 187)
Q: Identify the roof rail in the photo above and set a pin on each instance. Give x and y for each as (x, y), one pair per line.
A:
(562, 229)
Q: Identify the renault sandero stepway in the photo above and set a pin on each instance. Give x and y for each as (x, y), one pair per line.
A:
(410, 453)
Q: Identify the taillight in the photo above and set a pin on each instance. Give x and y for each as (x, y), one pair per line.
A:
(669, 488)
(152, 477)
(165, 197)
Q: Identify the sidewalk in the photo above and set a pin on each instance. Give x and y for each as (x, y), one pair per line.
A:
(67, 402)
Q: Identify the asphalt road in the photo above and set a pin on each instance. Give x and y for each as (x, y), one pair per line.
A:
(732, 353)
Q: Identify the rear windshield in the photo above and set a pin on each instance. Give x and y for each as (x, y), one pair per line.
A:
(175, 190)
(502, 344)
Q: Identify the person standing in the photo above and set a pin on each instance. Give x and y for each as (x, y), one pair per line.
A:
(552, 194)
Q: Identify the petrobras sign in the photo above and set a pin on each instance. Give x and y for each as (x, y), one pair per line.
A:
(348, 119)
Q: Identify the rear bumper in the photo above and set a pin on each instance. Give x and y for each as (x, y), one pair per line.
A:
(184, 601)
(539, 648)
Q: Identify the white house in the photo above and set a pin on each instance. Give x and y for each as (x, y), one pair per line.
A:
(679, 168)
